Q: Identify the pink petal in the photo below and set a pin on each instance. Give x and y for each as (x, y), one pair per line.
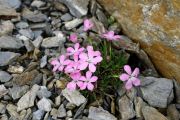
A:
(127, 68)
(71, 85)
(135, 72)
(82, 78)
(70, 49)
(75, 76)
(73, 37)
(128, 85)
(80, 84)
(117, 37)
(136, 81)
(92, 67)
(83, 87)
(97, 53)
(89, 48)
(66, 62)
(61, 68)
(61, 59)
(55, 68)
(83, 56)
(83, 65)
(110, 33)
(88, 74)
(76, 46)
(124, 77)
(97, 59)
(93, 79)
(54, 62)
(90, 86)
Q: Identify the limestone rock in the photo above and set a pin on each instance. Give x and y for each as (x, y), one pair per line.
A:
(151, 113)
(74, 97)
(159, 93)
(4, 76)
(100, 114)
(77, 8)
(6, 27)
(153, 24)
(7, 57)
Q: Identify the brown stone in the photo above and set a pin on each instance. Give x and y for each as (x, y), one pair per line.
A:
(155, 25)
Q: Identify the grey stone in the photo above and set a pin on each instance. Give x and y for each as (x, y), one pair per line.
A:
(27, 32)
(6, 27)
(74, 97)
(61, 111)
(61, 7)
(159, 93)
(33, 17)
(54, 113)
(72, 24)
(12, 110)
(37, 42)
(43, 92)
(29, 45)
(8, 42)
(17, 69)
(139, 104)
(66, 17)
(177, 91)
(17, 91)
(27, 100)
(69, 113)
(102, 17)
(173, 113)
(100, 114)
(13, 3)
(7, 57)
(78, 8)
(4, 76)
(50, 42)
(126, 108)
(2, 108)
(4, 117)
(44, 104)
(37, 3)
(43, 61)
(6, 11)
(98, 26)
(151, 113)
(37, 115)
(22, 25)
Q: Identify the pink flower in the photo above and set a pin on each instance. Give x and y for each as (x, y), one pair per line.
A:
(73, 66)
(75, 51)
(130, 77)
(87, 24)
(110, 36)
(75, 81)
(73, 38)
(89, 59)
(88, 80)
(59, 63)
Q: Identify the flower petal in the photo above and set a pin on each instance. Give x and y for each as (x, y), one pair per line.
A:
(124, 77)
(83, 87)
(92, 67)
(88, 74)
(71, 85)
(135, 72)
(62, 58)
(70, 49)
(136, 81)
(83, 65)
(128, 85)
(80, 84)
(83, 56)
(127, 68)
(76, 46)
(97, 59)
(93, 79)
(90, 86)
(82, 78)
(61, 68)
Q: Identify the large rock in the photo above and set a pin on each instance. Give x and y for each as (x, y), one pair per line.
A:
(7, 10)
(8, 42)
(155, 25)
(77, 8)
(7, 58)
(159, 93)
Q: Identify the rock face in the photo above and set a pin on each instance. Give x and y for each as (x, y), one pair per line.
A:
(153, 24)
(159, 93)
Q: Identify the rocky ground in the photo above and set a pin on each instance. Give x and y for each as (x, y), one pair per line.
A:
(33, 31)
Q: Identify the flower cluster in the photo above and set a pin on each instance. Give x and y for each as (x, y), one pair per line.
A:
(76, 60)
(79, 59)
